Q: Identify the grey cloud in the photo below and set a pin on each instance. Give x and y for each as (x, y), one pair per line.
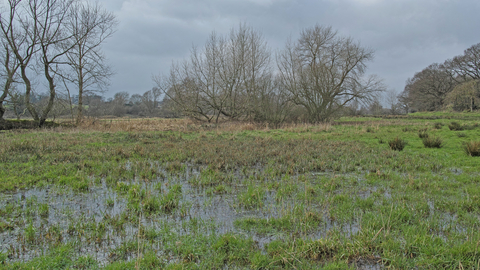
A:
(407, 35)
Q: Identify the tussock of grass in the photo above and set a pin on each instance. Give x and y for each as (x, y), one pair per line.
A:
(3, 258)
(438, 125)
(472, 148)
(170, 201)
(455, 126)
(4, 226)
(397, 144)
(422, 134)
(251, 198)
(432, 142)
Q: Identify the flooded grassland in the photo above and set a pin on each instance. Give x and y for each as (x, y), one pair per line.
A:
(302, 198)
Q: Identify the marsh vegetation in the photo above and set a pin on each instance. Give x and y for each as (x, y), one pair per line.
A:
(173, 194)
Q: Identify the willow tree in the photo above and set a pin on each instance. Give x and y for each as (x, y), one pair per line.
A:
(323, 72)
(226, 78)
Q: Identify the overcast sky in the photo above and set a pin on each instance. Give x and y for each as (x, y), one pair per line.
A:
(407, 35)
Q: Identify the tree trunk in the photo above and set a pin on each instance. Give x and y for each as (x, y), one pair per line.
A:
(2, 99)
(80, 85)
(6, 88)
(49, 107)
(80, 97)
(28, 90)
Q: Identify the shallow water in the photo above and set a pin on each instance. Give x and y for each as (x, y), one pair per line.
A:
(82, 209)
(78, 217)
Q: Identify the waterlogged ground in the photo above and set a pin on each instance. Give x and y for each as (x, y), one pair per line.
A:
(335, 197)
(66, 215)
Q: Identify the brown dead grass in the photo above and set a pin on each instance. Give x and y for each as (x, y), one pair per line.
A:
(187, 125)
(140, 124)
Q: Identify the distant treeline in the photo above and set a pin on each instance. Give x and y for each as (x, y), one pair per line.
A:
(149, 104)
(122, 104)
(453, 85)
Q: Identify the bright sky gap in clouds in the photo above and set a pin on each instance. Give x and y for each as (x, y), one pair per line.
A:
(407, 35)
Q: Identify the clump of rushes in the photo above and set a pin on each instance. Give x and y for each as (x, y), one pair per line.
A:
(3, 258)
(432, 142)
(171, 200)
(472, 148)
(43, 210)
(30, 232)
(252, 197)
(5, 226)
(455, 126)
(422, 134)
(397, 144)
(122, 187)
(110, 202)
(438, 125)
(151, 205)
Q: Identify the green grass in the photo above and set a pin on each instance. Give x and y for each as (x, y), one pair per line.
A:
(301, 197)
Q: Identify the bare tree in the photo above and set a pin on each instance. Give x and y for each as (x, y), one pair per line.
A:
(324, 72)
(10, 67)
(272, 103)
(466, 66)
(119, 102)
(96, 105)
(150, 100)
(223, 79)
(22, 37)
(90, 26)
(42, 30)
(182, 95)
(392, 100)
(376, 107)
(50, 17)
(36, 27)
(17, 101)
(404, 102)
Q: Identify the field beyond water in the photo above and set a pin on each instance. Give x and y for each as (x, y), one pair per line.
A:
(173, 194)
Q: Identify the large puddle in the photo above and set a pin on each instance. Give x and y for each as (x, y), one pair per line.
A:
(99, 221)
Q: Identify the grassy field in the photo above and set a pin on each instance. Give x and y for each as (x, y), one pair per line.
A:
(173, 194)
